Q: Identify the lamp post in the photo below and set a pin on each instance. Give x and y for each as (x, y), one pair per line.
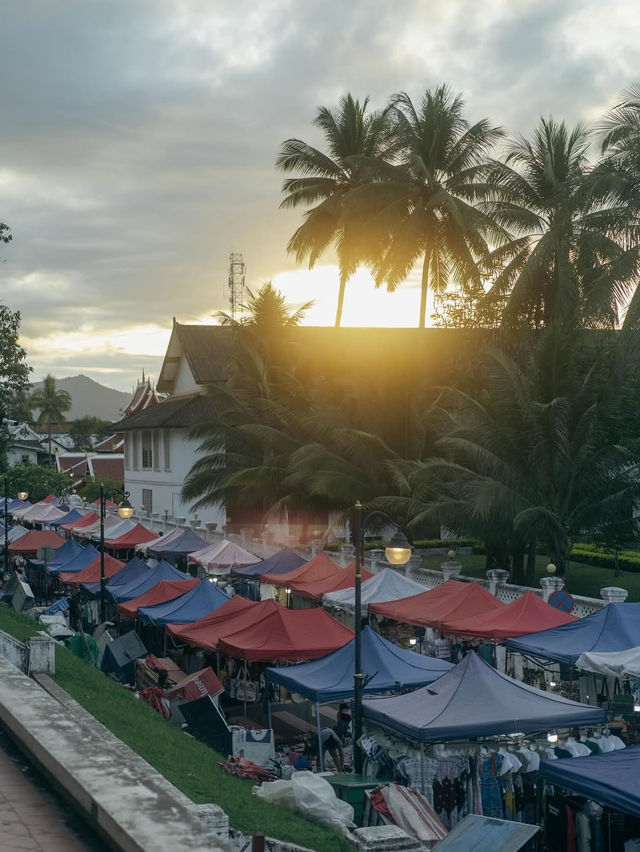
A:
(6, 528)
(398, 552)
(125, 510)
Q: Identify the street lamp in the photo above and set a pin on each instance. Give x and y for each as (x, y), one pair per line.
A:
(22, 495)
(398, 552)
(6, 528)
(125, 510)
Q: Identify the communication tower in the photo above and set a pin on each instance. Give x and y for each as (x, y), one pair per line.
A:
(237, 271)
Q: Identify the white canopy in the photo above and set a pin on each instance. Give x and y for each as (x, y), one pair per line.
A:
(222, 556)
(612, 663)
(388, 585)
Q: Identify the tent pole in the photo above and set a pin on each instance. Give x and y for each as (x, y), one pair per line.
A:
(269, 721)
(244, 703)
(320, 754)
(422, 768)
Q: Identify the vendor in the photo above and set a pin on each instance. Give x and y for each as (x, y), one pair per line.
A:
(343, 723)
(329, 742)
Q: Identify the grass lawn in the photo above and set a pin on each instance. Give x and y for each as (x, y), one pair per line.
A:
(187, 763)
(580, 579)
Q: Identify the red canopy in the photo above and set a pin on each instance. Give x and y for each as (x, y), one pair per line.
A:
(235, 615)
(163, 591)
(108, 503)
(346, 579)
(85, 521)
(48, 499)
(288, 634)
(198, 685)
(449, 600)
(136, 535)
(527, 614)
(318, 568)
(30, 543)
(91, 574)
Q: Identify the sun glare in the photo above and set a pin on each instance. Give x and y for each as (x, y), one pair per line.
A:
(364, 304)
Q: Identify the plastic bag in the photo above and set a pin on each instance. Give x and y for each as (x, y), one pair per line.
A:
(310, 795)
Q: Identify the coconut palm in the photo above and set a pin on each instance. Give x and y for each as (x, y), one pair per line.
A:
(426, 205)
(323, 180)
(528, 458)
(51, 404)
(568, 262)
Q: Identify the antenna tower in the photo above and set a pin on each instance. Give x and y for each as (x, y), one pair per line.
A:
(237, 271)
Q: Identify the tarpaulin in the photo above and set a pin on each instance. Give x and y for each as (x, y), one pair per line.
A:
(387, 585)
(527, 614)
(318, 568)
(616, 627)
(194, 604)
(282, 562)
(91, 574)
(475, 700)
(385, 666)
(222, 557)
(346, 579)
(288, 634)
(164, 590)
(431, 608)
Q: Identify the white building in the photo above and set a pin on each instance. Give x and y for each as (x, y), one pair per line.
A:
(158, 452)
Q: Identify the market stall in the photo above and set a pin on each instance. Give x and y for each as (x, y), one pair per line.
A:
(161, 592)
(233, 616)
(581, 787)
(133, 570)
(527, 614)
(282, 562)
(319, 568)
(222, 557)
(92, 572)
(179, 547)
(194, 604)
(431, 608)
(388, 585)
(616, 627)
(130, 539)
(77, 563)
(346, 579)
(286, 634)
(161, 571)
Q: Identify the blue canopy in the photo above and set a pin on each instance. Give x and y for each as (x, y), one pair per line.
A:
(385, 666)
(282, 562)
(69, 518)
(182, 545)
(78, 563)
(610, 779)
(615, 627)
(65, 553)
(138, 585)
(135, 569)
(194, 604)
(475, 700)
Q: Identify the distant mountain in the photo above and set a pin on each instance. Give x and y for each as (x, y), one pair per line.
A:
(90, 398)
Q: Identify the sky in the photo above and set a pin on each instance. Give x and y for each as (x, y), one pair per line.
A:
(138, 142)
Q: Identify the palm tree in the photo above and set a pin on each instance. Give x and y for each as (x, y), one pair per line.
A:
(323, 180)
(528, 459)
(51, 403)
(427, 205)
(567, 262)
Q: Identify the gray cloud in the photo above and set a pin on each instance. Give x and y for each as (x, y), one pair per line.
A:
(138, 139)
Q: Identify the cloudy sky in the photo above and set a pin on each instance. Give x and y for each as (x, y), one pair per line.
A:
(138, 140)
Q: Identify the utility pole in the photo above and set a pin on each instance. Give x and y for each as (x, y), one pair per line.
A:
(237, 272)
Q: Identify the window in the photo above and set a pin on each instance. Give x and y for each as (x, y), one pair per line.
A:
(147, 500)
(25, 459)
(134, 450)
(167, 449)
(156, 449)
(147, 451)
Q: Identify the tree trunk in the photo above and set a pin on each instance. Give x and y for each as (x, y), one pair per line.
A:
(341, 292)
(530, 575)
(49, 431)
(517, 561)
(423, 290)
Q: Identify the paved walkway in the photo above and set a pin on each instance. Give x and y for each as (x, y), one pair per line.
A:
(27, 819)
